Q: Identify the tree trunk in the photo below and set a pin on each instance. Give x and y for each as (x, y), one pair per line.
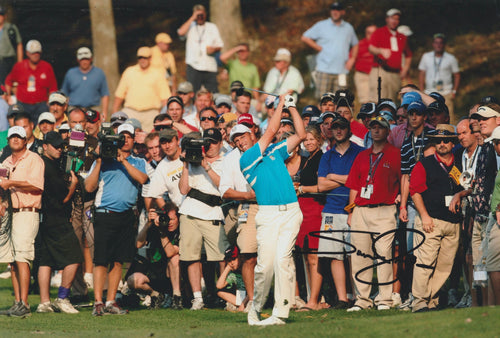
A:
(104, 42)
(226, 14)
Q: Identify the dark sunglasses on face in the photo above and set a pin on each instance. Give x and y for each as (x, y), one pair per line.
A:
(209, 118)
(482, 118)
(400, 117)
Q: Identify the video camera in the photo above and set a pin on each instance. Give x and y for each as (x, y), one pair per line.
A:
(71, 160)
(194, 147)
(109, 142)
(163, 221)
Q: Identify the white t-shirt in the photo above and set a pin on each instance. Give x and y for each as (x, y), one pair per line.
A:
(231, 174)
(166, 179)
(198, 38)
(438, 72)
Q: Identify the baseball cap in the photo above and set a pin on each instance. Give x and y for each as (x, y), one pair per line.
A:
(134, 122)
(437, 106)
(235, 85)
(58, 97)
(163, 37)
(14, 109)
(270, 99)
(393, 11)
(495, 135)
(405, 30)
(53, 138)
(387, 103)
(126, 128)
(168, 134)
(33, 46)
(144, 52)
(16, 130)
(83, 53)
(223, 99)
(175, 99)
(325, 115)
(185, 87)
(246, 119)
(387, 115)
(337, 6)
(485, 111)
(283, 54)
(310, 110)
(118, 118)
(343, 102)
(227, 117)
(344, 94)
(327, 97)
(438, 97)
(238, 130)
(64, 127)
(231, 253)
(417, 106)
(48, 117)
(92, 115)
(212, 134)
(379, 120)
(367, 109)
(410, 97)
(286, 121)
(489, 99)
(340, 121)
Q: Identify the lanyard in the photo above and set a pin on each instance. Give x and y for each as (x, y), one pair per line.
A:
(279, 83)
(373, 167)
(441, 164)
(419, 150)
(465, 161)
(200, 36)
(437, 65)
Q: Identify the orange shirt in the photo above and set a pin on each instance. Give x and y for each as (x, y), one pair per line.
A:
(29, 168)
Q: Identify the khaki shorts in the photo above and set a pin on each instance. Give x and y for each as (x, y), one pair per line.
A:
(493, 255)
(195, 233)
(247, 232)
(24, 230)
(330, 243)
(478, 232)
(146, 117)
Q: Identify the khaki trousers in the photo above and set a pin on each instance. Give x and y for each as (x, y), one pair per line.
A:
(434, 261)
(376, 220)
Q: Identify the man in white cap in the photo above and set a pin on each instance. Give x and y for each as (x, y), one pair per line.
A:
(26, 183)
(46, 123)
(117, 182)
(337, 47)
(162, 57)
(142, 90)
(388, 46)
(203, 40)
(86, 84)
(35, 80)
(283, 78)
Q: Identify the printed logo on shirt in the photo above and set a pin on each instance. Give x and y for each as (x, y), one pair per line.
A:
(43, 76)
(386, 165)
(176, 177)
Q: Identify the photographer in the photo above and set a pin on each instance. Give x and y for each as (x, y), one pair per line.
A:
(119, 182)
(160, 236)
(201, 214)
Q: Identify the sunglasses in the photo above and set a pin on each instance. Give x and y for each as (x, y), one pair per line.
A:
(445, 141)
(142, 57)
(482, 118)
(496, 142)
(209, 118)
(181, 93)
(400, 117)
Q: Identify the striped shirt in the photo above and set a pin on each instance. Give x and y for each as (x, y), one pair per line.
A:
(412, 150)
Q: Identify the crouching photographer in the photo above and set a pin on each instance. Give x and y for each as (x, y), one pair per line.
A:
(201, 212)
(149, 273)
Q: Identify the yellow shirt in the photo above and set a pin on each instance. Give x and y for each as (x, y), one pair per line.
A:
(143, 89)
(163, 60)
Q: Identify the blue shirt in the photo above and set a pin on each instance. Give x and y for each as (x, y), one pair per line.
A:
(85, 89)
(267, 174)
(336, 42)
(333, 162)
(117, 190)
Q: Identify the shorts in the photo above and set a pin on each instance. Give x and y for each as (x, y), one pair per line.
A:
(114, 237)
(331, 247)
(24, 230)
(196, 233)
(59, 246)
(478, 233)
(247, 232)
(493, 254)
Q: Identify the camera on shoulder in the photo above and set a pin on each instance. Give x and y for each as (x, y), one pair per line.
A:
(193, 144)
(109, 142)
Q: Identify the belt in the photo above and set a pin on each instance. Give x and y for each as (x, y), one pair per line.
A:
(26, 209)
(105, 211)
(374, 205)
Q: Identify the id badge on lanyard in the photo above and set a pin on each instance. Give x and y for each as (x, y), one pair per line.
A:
(394, 44)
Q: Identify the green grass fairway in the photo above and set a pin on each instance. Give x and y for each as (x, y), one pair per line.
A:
(476, 322)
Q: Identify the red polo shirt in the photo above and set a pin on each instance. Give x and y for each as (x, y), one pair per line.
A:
(38, 88)
(386, 176)
(364, 60)
(381, 38)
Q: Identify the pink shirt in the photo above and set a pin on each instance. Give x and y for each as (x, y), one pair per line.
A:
(29, 168)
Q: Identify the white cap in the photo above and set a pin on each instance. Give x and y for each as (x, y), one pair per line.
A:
(46, 117)
(393, 11)
(495, 135)
(237, 130)
(16, 130)
(57, 97)
(33, 46)
(126, 127)
(283, 54)
(485, 111)
(405, 30)
(83, 53)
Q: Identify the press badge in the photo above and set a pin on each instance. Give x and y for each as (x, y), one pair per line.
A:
(394, 44)
(447, 200)
(243, 215)
(366, 192)
(342, 80)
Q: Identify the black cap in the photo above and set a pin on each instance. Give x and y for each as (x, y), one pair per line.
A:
(337, 6)
(212, 134)
(168, 134)
(437, 106)
(340, 121)
(53, 138)
(344, 93)
(175, 99)
(438, 97)
(231, 253)
(344, 102)
(14, 109)
(235, 85)
(310, 111)
(489, 99)
(367, 109)
(2, 10)
(327, 97)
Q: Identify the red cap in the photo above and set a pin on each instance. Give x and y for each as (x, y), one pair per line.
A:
(246, 119)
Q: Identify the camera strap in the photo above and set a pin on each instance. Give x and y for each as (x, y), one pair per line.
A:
(211, 200)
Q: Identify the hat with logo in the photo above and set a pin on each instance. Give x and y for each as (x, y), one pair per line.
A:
(417, 106)
(176, 99)
(58, 97)
(16, 130)
(185, 87)
(310, 111)
(340, 121)
(118, 118)
(83, 53)
(367, 110)
(410, 97)
(337, 6)
(485, 111)
(444, 131)
(47, 117)
(238, 130)
(33, 46)
(326, 115)
(246, 119)
(223, 100)
(380, 121)
(235, 85)
(92, 115)
(126, 128)
(14, 109)
(495, 135)
(393, 11)
(212, 134)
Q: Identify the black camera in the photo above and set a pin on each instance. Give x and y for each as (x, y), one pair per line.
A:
(194, 149)
(163, 221)
(109, 142)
